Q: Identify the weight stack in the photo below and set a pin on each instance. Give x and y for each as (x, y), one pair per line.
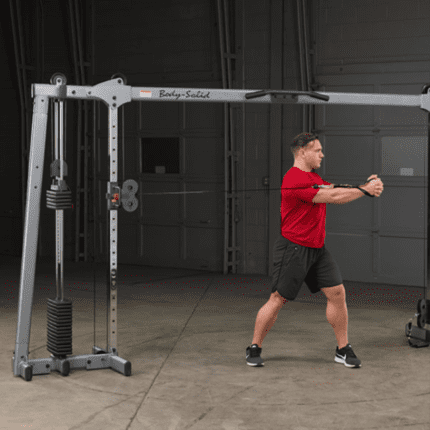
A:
(60, 327)
(59, 200)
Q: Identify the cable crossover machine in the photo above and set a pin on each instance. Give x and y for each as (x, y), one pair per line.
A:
(115, 93)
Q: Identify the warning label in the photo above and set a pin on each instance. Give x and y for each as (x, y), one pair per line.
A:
(147, 94)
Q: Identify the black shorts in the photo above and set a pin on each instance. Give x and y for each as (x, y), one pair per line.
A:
(295, 264)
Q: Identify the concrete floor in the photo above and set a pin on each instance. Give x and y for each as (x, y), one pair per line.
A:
(185, 333)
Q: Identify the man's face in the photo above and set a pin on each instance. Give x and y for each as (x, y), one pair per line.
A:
(314, 154)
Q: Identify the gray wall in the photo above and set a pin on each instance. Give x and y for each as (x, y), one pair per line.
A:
(376, 47)
(47, 50)
(359, 46)
(171, 45)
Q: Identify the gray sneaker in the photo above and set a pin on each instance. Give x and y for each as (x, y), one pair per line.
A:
(253, 356)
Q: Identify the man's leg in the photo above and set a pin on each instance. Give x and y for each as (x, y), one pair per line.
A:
(266, 317)
(337, 313)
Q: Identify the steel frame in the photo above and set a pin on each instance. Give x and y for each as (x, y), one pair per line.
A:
(115, 93)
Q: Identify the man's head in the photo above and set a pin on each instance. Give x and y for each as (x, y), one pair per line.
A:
(307, 151)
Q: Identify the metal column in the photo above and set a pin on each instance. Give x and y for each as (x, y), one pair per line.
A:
(22, 67)
(82, 151)
(274, 169)
(230, 154)
(31, 230)
(305, 73)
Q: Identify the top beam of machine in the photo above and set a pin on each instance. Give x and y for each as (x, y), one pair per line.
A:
(111, 92)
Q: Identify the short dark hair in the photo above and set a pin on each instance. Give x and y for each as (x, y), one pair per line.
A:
(301, 141)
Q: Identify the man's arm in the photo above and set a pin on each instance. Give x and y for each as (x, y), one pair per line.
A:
(346, 195)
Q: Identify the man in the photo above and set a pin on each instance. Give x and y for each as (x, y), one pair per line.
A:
(300, 254)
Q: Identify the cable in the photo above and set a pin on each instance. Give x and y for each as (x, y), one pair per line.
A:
(253, 190)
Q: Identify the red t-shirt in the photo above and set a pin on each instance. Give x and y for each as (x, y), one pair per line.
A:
(303, 222)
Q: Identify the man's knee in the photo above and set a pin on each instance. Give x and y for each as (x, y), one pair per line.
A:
(334, 293)
(277, 299)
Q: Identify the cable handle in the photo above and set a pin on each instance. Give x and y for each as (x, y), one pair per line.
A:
(343, 186)
(373, 177)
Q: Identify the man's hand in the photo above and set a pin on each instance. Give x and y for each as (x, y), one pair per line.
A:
(374, 187)
(372, 177)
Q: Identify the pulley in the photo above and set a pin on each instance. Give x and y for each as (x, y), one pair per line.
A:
(125, 196)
